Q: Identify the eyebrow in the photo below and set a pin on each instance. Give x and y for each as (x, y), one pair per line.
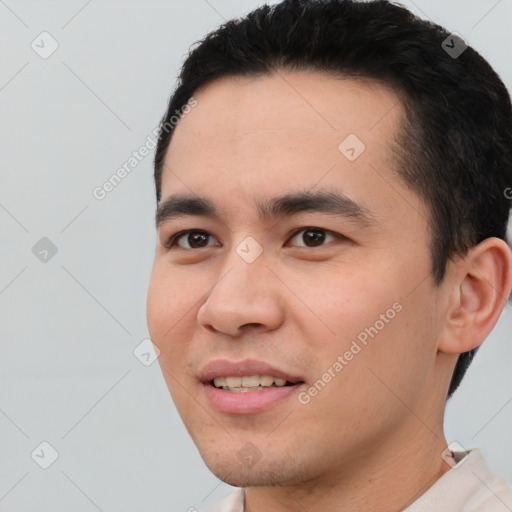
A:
(288, 205)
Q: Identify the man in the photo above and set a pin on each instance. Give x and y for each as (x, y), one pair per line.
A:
(332, 213)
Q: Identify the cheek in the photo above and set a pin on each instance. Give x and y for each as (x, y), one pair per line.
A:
(345, 302)
(157, 304)
(169, 329)
(398, 354)
(168, 302)
(372, 322)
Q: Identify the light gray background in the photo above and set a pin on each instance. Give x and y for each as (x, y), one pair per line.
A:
(69, 326)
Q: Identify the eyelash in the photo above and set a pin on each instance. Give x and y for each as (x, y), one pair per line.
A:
(174, 238)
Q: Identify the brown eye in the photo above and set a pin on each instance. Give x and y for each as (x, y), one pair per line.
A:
(194, 240)
(313, 237)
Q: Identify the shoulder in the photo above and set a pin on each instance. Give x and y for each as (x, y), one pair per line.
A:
(468, 487)
(492, 494)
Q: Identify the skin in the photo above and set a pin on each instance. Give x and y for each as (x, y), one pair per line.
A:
(373, 438)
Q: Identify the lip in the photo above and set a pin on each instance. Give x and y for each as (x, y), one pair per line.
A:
(250, 402)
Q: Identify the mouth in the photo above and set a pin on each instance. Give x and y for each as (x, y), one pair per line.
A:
(247, 387)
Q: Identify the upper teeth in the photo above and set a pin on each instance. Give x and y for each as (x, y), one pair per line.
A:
(250, 381)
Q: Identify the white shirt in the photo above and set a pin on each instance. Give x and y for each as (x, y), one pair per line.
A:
(467, 487)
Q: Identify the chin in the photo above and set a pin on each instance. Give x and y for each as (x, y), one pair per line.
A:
(262, 473)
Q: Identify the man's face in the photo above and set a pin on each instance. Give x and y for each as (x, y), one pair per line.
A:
(341, 303)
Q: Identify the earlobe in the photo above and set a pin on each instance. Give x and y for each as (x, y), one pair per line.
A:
(481, 285)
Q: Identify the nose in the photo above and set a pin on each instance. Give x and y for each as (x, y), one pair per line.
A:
(247, 295)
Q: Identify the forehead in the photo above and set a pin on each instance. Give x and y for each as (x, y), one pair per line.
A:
(300, 103)
(265, 135)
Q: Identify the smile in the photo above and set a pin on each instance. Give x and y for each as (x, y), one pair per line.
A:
(247, 383)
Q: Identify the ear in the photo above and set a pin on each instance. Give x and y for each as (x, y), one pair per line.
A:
(480, 285)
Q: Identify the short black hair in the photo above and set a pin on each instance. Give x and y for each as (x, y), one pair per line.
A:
(454, 149)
